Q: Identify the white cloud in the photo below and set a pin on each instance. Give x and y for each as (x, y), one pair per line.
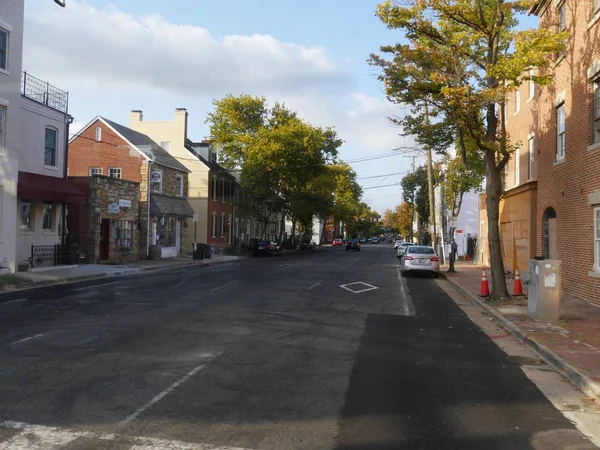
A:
(83, 42)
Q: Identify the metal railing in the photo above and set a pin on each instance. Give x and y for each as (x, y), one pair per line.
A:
(43, 92)
(54, 255)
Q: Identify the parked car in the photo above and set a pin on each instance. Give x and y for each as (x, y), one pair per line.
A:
(420, 258)
(375, 240)
(397, 243)
(337, 242)
(362, 240)
(353, 244)
(266, 248)
(306, 244)
(401, 249)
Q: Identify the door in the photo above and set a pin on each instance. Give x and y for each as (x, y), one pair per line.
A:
(552, 238)
(104, 239)
(178, 234)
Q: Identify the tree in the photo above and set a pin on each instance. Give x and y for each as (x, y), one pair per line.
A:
(465, 57)
(390, 220)
(404, 215)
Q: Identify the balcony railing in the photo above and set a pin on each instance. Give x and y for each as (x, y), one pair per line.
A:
(43, 92)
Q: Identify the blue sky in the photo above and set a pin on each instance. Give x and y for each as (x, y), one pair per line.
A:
(158, 55)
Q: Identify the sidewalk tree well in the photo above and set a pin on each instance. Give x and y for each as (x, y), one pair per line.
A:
(465, 57)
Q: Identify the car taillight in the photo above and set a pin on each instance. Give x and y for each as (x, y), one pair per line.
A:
(435, 258)
(410, 258)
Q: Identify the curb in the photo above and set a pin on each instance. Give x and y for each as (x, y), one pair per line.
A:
(97, 276)
(574, 375)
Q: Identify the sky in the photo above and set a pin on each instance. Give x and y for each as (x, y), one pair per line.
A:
(158, 55)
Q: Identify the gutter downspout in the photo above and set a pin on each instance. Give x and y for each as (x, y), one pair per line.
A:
(69, 121)
(148, 212)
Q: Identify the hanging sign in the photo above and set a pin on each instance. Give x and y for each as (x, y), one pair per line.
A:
(114, 208)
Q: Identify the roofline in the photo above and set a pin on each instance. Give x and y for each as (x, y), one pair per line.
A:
(156, 163)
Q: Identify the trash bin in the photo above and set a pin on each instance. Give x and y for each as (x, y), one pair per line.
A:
(202, 251)
(544, 298)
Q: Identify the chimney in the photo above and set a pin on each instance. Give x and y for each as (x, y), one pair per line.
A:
(181, 116)
(136, 115)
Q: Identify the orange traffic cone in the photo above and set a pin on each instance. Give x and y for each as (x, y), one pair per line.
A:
(518, 288)
(485, 289)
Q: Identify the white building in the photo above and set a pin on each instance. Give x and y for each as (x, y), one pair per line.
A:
(34, 123)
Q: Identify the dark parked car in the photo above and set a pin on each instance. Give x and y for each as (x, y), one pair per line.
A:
(306, 244)
(353, 244)
(267, 248)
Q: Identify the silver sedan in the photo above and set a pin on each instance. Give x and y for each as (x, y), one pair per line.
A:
(420, 258)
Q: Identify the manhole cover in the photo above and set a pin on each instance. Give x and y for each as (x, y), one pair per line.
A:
(526, 360)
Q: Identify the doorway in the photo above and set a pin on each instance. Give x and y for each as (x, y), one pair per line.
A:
(104, 239)
(550, 232)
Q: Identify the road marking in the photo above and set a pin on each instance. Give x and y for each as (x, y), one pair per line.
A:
(94, 286)
(217, 289)
(87, 340)
(167, 391)
(40, 437)
(26, 339)
(314, 285)
(347, 287)
(407, 305)
(6, 371)
(14, 301)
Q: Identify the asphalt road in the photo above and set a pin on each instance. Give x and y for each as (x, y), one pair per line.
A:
(275, 353)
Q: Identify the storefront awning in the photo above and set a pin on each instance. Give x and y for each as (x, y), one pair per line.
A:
(35, 186)
(163, 205)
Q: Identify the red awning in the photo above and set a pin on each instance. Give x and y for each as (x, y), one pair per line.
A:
(34, 186)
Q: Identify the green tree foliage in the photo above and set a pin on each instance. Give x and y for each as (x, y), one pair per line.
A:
(464, 57)
(403, 216)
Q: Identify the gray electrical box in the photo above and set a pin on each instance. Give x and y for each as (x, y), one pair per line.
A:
(544, 290)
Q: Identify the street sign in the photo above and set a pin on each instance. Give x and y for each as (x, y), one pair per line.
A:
(125, 203)
(195, 217)
(114, 208)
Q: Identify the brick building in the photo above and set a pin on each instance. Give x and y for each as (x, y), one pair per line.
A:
(104, 147)
(552, 183)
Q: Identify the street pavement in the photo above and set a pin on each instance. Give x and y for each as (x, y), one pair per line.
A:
(317, 350)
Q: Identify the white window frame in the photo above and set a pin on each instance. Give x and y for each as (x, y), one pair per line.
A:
(98, 134)
(124, 237)
(215, 183)
(159, 183)
(222, 224)
(517, 166)
(94, 171)
(531, 153)
(597, 238)
(595, 7)
(3, 110)
(561, 144)
(531, 84)
(179, 179)
(115, 168)
(26, 228)
(517, 100)
(596, 109)
(46, 129)
(6, 67)
(214, 225)
(52, 216)
(166, 145)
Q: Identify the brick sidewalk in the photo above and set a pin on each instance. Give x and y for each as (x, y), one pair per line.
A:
(572, 344)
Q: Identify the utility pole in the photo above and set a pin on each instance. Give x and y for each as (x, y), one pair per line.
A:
(412, 216)
(430, 183)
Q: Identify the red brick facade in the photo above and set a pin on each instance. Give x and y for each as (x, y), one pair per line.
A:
(570, 186)
(220, 207)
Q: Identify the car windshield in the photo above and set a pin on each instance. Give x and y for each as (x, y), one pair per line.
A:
(421, 250)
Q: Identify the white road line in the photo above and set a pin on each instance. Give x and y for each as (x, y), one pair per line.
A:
(167, 391)
(407, 304)
(217, 289)
(27, 339)
(94, 286)
(314, 285)
(14, 301)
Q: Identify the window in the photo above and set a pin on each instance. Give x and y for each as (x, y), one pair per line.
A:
(95, 171)
(98, 134)
(506, 177)
(156, 181)
(26, 223)
(531, 83)
(179, 185)
(222, 224)
(2, 127)
(167, 230)
(597, 239)
(596, 109)
(50, 147)
(114, 172)
(562, 17)
(48, 216)
(595, 6)
(124, 234)
(517, 167)
(214, 225)
(3, 49)
(560, 132)
(531, 151)
(517, 100)
(166, 145)
(214, 188)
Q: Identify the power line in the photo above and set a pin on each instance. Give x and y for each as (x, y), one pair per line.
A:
(381, 186)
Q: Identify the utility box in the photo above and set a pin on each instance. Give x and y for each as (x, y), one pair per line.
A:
(544, 290)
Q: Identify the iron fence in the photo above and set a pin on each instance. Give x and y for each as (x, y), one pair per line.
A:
(54, 255)
(43, 92)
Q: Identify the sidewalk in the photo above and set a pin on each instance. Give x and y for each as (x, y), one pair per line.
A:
(571, 345)
(92, 271)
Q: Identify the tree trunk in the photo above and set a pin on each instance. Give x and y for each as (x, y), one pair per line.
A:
(493, 193)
